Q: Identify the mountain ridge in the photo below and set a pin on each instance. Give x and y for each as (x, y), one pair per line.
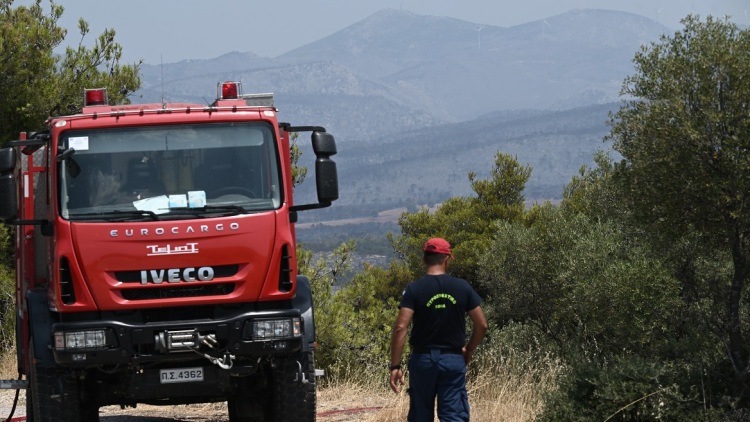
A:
(398, 83)
(442, 67)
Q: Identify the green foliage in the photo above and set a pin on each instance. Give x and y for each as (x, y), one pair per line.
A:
(97, 66)
(610, 306)
(629, 388)
(36, 83)
(7, 289)
(324, 272)
(353, 324)
(354, 333)
(7, 308)
(593, 192)
(298, 172)
(7, 249)
(685, 142)
(467, 223)
(687, 130)
(581, 283)
(670, 215)
(27, 65)
(637, 280)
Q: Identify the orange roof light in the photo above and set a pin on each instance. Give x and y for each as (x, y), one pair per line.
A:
(230, 90)
(95, 97)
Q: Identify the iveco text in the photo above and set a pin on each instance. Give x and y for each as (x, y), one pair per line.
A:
(176, 275)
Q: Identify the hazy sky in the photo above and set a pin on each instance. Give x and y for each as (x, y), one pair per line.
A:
(175, 30)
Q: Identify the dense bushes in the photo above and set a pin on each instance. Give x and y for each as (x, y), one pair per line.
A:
(582, 282)
(353, 325)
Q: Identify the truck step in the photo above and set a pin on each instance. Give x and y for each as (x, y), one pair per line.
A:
(14, 384)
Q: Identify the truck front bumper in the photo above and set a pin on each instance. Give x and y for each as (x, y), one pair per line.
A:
(247, 335)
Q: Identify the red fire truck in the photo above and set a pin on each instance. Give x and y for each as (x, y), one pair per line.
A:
(156, 258)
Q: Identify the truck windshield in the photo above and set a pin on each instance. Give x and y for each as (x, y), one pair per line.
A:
(176, 170)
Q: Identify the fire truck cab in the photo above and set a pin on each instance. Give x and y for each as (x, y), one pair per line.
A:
(156, 258)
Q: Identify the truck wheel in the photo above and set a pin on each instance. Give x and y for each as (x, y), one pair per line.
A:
(286, 399)
(29, 406)
(89, 412)
(246, 404)
(55, 397)
(293, 399)
(245, 410)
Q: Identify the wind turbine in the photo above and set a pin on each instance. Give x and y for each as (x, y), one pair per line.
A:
(479, 36)
(545, 24)
(657, 14)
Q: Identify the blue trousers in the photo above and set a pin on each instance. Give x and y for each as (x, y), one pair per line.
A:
(438, 375)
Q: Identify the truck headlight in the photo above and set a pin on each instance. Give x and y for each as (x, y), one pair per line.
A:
(268, 329)
(81, 340)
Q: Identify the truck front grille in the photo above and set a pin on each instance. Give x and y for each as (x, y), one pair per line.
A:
(178, 291)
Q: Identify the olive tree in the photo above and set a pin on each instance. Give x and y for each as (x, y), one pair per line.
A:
(36, 82)
(684, 136)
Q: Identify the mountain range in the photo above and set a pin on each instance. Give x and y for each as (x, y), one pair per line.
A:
(416, 102)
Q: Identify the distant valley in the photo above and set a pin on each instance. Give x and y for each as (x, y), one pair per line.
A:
(417, 102)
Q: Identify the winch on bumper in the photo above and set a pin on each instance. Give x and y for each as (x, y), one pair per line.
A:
(110, 342)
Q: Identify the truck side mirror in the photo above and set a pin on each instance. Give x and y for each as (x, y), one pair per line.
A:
(8, 194)
(326, 176)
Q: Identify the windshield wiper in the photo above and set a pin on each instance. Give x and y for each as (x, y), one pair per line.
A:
(228, 209)
(117, 215)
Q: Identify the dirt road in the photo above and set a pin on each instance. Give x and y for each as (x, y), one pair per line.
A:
(328, 411)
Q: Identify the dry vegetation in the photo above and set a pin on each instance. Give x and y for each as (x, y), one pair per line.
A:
(8, 367)
(506, 388)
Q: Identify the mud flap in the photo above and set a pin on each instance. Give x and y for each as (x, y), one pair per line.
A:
(303, 302)
(40, 325)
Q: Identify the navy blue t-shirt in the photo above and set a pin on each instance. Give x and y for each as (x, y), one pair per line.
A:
(440, 304)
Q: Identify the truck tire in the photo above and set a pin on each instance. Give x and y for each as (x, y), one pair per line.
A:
(247, 402)
(284, 399)
(29, 406)
(55, 397)
(245, 410)
(293, 399)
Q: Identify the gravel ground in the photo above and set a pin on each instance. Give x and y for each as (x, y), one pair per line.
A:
(329, 411)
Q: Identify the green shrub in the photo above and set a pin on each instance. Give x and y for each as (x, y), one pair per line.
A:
(632, 388)
(354, 327)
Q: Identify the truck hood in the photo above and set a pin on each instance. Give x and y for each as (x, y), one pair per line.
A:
(174, 263)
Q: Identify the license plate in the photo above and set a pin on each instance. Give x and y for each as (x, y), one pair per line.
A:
(168, 376)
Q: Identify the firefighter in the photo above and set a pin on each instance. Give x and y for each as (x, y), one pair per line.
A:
(437, 304)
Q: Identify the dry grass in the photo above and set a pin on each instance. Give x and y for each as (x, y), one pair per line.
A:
(502, 388)
(512, 388)
(508, 388)
(8, 366)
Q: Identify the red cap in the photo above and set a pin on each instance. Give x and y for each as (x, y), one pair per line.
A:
(438, 245)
